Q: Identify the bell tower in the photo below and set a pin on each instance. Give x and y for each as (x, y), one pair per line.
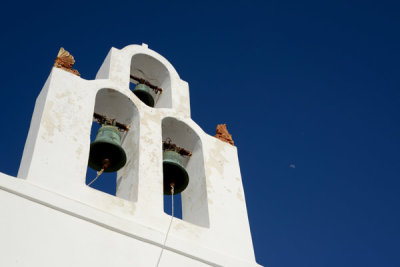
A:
(50, 217)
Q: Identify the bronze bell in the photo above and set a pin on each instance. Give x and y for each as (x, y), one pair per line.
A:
(142, 91)
(174, 172)
(106, 151)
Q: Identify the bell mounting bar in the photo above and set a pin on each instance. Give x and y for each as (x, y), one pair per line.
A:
(101, 119)
(168, 146)
(152, 86)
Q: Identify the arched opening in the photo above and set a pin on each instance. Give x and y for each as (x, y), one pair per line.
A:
(194, 198)
(124, 183)
(153, 71)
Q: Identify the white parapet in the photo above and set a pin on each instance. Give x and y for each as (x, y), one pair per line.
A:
(50, 217)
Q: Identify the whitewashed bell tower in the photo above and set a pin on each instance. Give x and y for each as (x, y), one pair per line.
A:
(50, 217)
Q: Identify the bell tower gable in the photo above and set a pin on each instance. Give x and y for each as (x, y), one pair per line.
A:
(214, 229)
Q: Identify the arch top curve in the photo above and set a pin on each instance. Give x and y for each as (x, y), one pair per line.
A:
(132, 50)
(144, 63)
(116, 104)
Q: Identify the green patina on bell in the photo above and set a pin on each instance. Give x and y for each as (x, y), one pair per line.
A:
(174, 172)
(107, 148)
(142, 91)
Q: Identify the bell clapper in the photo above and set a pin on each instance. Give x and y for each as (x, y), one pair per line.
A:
(106, 163)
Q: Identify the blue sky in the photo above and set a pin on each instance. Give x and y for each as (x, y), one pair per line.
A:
(310, 91)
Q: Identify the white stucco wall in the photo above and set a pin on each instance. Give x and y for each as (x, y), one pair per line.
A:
(51, 218)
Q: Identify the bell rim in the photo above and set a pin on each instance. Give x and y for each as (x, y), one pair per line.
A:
(147, 95)
(112, 168)
(185, 179)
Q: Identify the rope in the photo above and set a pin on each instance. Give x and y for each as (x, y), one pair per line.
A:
(98, 174)
(170, 223)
